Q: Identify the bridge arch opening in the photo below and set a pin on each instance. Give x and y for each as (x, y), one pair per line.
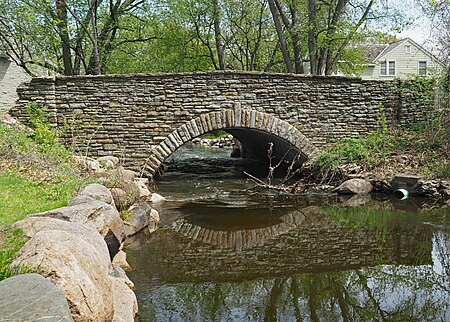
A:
(253, 129)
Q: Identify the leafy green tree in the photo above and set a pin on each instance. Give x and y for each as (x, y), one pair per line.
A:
(68, 37)
(322, 33)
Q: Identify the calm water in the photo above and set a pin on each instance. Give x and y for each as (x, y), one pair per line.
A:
(229, 252)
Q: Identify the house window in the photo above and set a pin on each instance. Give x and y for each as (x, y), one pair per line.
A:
(407, 49)
(422, 67)
(387, 68)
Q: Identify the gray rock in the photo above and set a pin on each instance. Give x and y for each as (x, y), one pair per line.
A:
(90, 165)
(141, 183)
(122, 174)
(109, 161)
(97, 214)
(76, 267)
(32, 225)
(120, 198)
(78, 200)
(138, 219)
(354, 186)
(125, 302)
(157, 198)
(131, 194)
(98, 192)
(428, 188)
(118, 273)
(121, 260)
(31, 297)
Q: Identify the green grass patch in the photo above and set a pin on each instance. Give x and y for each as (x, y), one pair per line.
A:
(20, 197)
(14, 240)
(215, 135)
(36, 175)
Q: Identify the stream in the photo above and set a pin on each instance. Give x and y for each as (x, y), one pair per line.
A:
(229, 251)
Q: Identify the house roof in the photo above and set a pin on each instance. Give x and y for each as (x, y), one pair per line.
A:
(371, 52)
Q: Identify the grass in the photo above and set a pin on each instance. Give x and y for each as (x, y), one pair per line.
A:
(36, 175)
(20, 196)
(378, 149)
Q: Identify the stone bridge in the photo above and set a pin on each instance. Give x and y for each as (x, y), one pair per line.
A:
(143, 119)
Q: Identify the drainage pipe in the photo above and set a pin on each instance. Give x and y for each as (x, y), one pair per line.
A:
(401, 194)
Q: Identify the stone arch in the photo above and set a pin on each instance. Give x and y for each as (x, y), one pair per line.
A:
(231, 120)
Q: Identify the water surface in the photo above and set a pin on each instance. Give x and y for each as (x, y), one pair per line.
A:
(227, 251)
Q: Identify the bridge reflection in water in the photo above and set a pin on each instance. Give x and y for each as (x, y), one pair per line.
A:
(292, 241)
(294, 264)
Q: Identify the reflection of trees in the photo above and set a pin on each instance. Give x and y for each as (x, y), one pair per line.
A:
(275, 293)
(441, 243)
(383, 293)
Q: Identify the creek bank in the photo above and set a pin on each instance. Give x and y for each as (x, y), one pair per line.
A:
(222, 142)
(398, 185)
(79, 247)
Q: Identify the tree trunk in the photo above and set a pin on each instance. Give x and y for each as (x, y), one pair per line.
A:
(94, 61)
(312, 13)
(281, 38)
(298, 59)
(218, 35)
(61, 10)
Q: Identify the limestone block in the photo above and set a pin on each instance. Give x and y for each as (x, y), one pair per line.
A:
(121, 261)
(76, 267)
(157, 198)
(97, 214)
(120, 198)
(98, 192)
(354, 186)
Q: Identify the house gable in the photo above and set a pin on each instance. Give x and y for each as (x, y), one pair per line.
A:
(401, 59)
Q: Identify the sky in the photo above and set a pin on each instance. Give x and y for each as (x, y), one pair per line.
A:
(420, 29)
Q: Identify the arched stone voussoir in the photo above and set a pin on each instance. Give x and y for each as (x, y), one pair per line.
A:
(229, 119)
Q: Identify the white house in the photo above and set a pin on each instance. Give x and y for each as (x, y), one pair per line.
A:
(11, 76)
(399, 60)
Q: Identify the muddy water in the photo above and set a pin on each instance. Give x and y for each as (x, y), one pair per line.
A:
(229, 252)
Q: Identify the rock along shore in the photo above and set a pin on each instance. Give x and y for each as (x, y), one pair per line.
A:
(78, 248)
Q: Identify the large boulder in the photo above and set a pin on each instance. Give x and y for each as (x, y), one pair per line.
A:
(122, 174)
(31, 297)
(125, 302)
(97, 214)
(354, 186)
(79, 200)
(125, 193)
(32, 225)
(76, 267)
(98, 192)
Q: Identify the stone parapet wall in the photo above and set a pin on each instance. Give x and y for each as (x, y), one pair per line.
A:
(130, 115)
